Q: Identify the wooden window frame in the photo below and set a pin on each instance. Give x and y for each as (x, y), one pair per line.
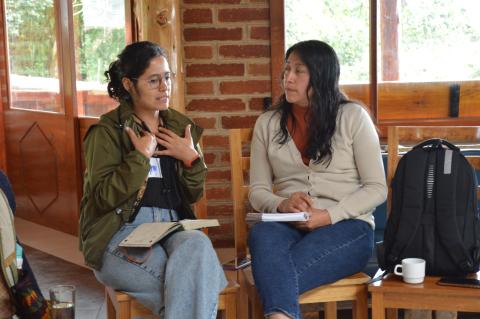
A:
(392, 96)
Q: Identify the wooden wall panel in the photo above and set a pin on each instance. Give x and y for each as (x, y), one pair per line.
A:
(40, 168)
(425, 100)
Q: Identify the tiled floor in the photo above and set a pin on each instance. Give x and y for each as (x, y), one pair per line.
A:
(51, 271)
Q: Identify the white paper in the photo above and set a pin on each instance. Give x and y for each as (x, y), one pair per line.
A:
(278, 217)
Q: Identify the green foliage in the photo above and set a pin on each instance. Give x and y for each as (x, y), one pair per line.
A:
(31, 35)
(342, 24)
(32, 43)
(438, 39)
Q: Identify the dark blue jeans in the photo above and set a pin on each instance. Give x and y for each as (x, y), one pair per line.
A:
(287, 262)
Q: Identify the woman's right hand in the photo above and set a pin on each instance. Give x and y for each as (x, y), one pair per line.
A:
(297, 202)
(145, 144)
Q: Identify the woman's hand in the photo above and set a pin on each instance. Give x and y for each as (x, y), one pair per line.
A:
(145, 144)
(318, 218)
(181, 148)
(297, 202)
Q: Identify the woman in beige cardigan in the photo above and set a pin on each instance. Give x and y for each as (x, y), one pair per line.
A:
(320, 154)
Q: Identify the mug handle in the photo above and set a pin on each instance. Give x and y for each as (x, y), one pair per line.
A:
(396, 271)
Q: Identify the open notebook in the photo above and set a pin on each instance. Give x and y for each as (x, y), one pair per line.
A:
(148, 234)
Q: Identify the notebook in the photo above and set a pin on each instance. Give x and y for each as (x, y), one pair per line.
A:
(278, 217)
(146, 235)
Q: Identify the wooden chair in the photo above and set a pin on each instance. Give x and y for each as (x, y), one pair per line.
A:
(122, 306)
(351, 288)
(391, 293)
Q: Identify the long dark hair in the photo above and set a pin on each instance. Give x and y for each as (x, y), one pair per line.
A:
(324, 101)
(130, 63)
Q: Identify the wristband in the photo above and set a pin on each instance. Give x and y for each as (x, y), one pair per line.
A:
(192, 162)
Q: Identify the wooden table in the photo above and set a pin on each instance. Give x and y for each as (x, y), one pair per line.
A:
(393, 293)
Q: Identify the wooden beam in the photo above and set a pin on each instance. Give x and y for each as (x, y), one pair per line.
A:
(277, 45)
(4, 93)
(389, 42)
(159, 21)
(373, 60)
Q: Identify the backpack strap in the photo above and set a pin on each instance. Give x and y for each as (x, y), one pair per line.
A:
(8, 243)
(412, 202)
(446, 221)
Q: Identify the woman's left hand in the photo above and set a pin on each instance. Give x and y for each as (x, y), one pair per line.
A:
(318, 218)
(181, 148)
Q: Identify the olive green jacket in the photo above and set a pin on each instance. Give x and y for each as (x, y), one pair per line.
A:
(116, 174)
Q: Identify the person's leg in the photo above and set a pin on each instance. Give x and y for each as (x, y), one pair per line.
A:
(144, 279)
(332, 252)
(273, 268)
(193, 277)
(140, 272)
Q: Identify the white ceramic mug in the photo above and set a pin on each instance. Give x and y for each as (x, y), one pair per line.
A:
(412, 270)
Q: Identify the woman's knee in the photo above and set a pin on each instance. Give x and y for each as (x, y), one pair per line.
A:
(267, 234)
(193, 240)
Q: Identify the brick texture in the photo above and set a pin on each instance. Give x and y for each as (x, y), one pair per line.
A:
(245, 51)
(243, 14)
(197, 16)
(198, 52)
(227, 63)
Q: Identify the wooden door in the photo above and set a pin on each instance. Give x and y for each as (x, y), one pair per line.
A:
(39, 118)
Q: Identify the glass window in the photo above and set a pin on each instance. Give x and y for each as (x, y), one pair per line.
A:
(33, 55)
(438, 40)
(99, 37)
(342, 24)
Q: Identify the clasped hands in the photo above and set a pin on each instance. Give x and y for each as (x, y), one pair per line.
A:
(181, 148)
(301, 202)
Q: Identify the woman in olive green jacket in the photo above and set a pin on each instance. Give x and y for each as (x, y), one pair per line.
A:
(143, 164)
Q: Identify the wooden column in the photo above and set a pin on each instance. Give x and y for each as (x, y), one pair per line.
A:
(389, 43)
(277, 45)
(373, 61)
(159, 21)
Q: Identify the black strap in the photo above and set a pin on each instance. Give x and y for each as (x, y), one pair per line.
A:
(436, 143)
(446, 221)
(412, 203)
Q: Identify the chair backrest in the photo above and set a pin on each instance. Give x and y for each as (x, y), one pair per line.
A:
(465, 137)
(240, 166)
(200, 206)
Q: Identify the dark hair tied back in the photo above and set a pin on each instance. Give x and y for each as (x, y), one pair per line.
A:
(130, 63)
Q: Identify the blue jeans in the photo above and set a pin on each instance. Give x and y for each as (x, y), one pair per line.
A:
(180, 278)
(287, 262)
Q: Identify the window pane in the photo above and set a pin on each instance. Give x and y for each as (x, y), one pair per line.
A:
(33, 55)
(342, 24)
(99, 37)
(438, 40)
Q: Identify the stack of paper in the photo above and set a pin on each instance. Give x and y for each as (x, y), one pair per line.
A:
(278, 217)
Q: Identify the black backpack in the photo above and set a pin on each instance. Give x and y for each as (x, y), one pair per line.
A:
(434, 212)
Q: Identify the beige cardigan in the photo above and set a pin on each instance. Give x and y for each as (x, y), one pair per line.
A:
(350, 187)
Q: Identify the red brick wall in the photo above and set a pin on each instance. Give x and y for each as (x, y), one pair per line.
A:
(227, 63)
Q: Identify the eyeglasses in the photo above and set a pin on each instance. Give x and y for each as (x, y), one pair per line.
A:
(154, 81)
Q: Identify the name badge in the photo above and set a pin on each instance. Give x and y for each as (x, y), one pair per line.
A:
(155, 169)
